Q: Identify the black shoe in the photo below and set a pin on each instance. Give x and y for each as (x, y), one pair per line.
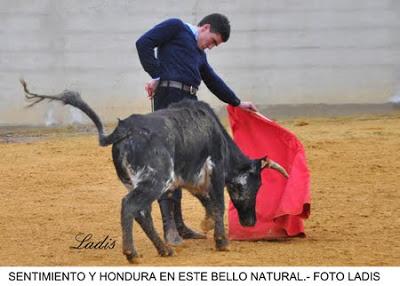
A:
(187, 233)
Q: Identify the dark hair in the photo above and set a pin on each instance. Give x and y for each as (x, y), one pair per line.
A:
(219, 24)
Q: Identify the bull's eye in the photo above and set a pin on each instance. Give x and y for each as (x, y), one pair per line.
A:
(234, 196)
(234, 191)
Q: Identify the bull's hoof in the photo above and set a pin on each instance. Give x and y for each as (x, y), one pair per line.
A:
(222, 245)
(132, 257)
(187, 233)
(166, 251)
(207, 224)
(134, 260)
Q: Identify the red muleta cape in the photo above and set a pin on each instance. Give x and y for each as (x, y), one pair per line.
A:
(282, 204)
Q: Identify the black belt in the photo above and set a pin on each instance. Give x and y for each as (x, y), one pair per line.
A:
(176, 84)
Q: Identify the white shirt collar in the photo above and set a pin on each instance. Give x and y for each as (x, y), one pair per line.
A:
(193, 29)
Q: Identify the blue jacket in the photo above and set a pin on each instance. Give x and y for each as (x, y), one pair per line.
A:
(179, 59)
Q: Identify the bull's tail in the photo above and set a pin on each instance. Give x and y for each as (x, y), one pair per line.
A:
(72, 98)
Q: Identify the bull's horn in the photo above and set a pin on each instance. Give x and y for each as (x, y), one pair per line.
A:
(268, 163)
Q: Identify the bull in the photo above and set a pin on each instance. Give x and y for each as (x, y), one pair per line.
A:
(185, 146)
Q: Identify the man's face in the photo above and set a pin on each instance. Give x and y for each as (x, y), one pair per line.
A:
(206, 39)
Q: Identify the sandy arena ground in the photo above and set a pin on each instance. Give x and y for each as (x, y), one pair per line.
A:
(56, 183)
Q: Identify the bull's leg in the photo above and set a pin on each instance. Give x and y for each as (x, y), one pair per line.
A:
(171, 234)
(183, 230)
(221, 243)
(146, 222)
(173, 225)
(208, 222)
(217, 195)
(137, 205)
(127, 215)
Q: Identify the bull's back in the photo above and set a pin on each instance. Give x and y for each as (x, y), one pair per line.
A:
(188, 130)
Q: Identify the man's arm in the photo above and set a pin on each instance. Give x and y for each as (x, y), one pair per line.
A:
(153, 38)
(218, 87)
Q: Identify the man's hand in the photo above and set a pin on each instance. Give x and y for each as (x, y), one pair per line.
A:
(248, 106)
(150, 87)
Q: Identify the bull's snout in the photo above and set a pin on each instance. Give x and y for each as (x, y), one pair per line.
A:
(247, 221)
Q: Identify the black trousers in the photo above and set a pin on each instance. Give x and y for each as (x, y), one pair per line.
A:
(163, 97)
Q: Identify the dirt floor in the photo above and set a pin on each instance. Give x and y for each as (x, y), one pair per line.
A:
(57, 183)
